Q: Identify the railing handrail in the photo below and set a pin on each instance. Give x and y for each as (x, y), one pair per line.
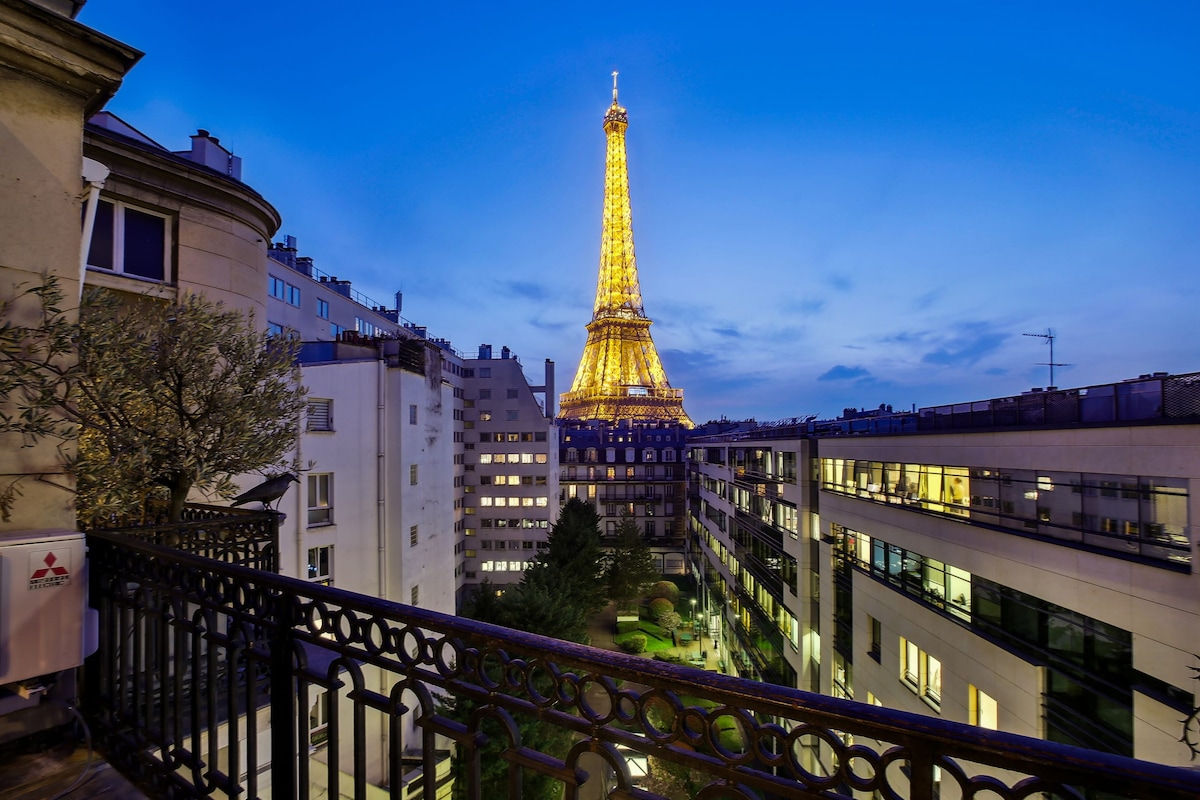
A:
(927, 738)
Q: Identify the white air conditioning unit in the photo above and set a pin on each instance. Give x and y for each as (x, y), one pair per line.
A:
(43, 602)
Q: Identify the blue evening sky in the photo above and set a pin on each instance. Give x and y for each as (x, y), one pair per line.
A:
(835, 204)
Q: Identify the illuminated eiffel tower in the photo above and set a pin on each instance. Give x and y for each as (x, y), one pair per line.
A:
(620, 376)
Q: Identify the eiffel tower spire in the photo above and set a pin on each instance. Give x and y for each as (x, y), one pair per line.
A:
(620, 375)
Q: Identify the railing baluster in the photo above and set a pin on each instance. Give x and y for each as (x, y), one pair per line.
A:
(527, 683)
(283, 701)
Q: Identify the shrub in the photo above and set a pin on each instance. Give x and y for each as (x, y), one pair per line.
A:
(634, 644)
(660, 606)
(666, 590)
(669, 621)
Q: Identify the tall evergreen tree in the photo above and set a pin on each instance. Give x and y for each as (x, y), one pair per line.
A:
(574, 559)
(630, 568)
(558, 592)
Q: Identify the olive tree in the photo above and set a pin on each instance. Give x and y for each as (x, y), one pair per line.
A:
(163, 397)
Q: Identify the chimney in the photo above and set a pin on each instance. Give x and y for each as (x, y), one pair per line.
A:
(207, 151)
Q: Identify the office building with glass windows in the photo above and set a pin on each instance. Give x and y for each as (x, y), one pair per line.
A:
(1022, 563)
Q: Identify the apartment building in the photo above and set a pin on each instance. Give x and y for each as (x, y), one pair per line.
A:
(1021, 563)
(634, 468)
(167, 223)
(510, 480)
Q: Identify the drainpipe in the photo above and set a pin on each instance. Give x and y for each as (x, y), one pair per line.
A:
(301, 510)
(381, 527)
(381, 474)
(94, 175)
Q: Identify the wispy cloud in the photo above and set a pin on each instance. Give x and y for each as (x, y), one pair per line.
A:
(843, 373)
(923, 302)
(975, 340)
(839, 282)
(729, 333)
(527, 289)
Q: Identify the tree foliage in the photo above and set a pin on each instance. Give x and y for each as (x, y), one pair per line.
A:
(163, 397)
(669, 621)
(37, 362)
(660, 606)
(631, 566)
(557, 594)
(665, 589)
(574, 559)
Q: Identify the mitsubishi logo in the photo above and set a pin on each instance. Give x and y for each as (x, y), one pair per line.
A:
(49, 569)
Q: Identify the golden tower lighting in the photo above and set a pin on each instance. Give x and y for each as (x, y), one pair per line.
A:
(620, 376)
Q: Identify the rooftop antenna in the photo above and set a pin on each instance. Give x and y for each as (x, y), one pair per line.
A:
(615, 73)
(1049, 337)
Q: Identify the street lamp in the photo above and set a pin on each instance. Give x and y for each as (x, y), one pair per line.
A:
(695, 634)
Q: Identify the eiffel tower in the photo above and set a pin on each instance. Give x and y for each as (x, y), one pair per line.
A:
(620, 376)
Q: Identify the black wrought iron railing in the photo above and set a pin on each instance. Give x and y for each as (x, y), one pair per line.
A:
(232, 535)
(216, 680)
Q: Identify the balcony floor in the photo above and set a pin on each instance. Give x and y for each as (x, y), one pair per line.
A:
(42, 775)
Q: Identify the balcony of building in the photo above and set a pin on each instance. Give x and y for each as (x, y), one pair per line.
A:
(218, 679)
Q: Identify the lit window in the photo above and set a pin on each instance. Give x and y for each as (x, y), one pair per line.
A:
(318, 721)
(910, 663)
(130, 241)
(526, 458)
(485, 416)
(984, 711)
(541, 501)
(320, 499)
(931, 680)
(539, 458)
(485, 458)
(320, 565)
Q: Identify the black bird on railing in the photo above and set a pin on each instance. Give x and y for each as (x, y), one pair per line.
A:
(268, 491)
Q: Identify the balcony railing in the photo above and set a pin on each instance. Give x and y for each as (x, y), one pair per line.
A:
(208, 678)
(232, 535)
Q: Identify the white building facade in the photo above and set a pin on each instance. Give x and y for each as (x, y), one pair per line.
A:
(1023, 563)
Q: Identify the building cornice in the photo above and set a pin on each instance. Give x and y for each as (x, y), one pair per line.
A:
(58, 51)
(179, 179)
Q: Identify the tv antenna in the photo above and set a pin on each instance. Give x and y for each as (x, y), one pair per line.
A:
(1049, 336)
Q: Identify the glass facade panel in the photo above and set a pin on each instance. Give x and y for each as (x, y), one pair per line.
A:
(1145, 516)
